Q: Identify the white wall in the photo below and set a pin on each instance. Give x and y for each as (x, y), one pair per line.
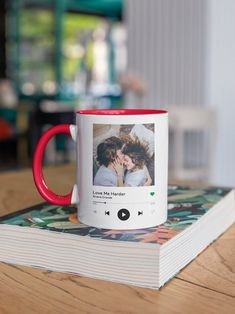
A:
(166, 47)
(220, 72)
(185, 50)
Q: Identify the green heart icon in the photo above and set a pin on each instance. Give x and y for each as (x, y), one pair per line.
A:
(152, 193)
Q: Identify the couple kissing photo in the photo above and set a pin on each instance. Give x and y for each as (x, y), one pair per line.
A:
(123, 155)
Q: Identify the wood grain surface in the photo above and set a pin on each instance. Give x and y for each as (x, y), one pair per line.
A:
(206, 285)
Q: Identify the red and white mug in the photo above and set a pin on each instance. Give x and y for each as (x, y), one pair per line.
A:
(122, 163)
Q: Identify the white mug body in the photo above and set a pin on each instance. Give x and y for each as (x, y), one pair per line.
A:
(137, 202)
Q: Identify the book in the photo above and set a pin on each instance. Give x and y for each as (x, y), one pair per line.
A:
(51, 237)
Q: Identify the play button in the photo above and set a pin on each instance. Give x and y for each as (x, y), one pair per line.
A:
(123, 214)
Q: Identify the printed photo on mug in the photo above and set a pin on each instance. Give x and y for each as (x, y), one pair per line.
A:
(123, 155)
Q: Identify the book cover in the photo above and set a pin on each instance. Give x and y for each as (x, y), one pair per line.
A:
(186, 205)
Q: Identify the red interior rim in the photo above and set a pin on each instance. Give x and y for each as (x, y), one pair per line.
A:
(122, 112)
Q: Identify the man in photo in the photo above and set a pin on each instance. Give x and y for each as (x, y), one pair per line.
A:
(108, 152)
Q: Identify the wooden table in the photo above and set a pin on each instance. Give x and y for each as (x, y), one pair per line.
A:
(205, 286)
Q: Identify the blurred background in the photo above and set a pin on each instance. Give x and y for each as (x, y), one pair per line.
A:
(60, 56)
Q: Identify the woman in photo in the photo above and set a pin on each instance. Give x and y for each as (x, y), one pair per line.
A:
(135, 159)
(108, 153)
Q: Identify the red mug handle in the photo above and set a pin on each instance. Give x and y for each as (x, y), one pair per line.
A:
(40, 183)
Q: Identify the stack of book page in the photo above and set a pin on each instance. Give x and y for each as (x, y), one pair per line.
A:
(51, 237)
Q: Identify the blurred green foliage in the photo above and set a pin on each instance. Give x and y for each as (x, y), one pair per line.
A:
(36, 23)
(37, 44)
(75, 26)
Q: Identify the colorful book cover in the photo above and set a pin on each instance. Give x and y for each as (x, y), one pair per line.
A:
(185, 206)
